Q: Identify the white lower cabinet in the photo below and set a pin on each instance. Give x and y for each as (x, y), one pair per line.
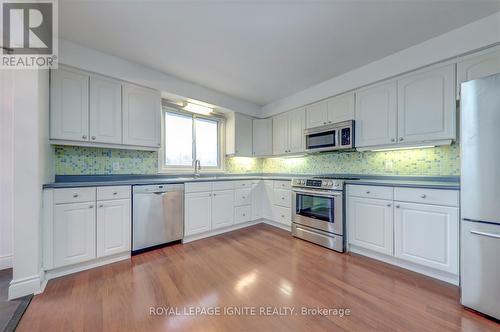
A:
(198, 213)
(242, 214)
(113, 227)
(222, 208)
(427, 235)
(414, 228)
(74, 233)
(79, 228)
(370, 224)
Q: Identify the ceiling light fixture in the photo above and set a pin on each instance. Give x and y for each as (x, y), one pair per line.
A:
(196, 108)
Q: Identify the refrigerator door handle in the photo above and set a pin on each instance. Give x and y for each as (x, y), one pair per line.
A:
(493, 235)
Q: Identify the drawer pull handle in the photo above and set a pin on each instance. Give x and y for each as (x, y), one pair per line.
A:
(75, 195)
(423, 196)
(493, 235)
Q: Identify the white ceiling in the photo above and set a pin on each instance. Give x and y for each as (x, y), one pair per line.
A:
(260, 51)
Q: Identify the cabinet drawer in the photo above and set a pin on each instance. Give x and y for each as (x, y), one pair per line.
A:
(427, 196)
(282, 215)
(196, 187)
(242, 214)
(242, 184)
(283, 185)
(282, 198)
(377, 192)
(223, 185)
(242, 197)
(74, 195)
(119, 192)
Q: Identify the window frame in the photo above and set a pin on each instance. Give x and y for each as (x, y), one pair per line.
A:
(176, 169)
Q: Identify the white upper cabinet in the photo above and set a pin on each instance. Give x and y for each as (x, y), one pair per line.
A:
(280, 134)
(317, 115)
(341, 108)
(296, 126)
(426, 105)
(376, 115)
(105, 110)
(141, 116)
(478, 65)
(69, 105)
(239, 135)
(262, 137)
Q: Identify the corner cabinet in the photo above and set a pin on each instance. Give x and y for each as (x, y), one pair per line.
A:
(417, 108)
(478, 65)
(141, 116)
(288, 132)
(87, 109)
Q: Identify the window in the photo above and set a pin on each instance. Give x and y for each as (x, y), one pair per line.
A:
(188, 137)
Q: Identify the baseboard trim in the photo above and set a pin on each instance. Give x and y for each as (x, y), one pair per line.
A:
(277, 224)
(441, 275)
(200, 236)
(25, 286)
(5, 262)
(65, 270)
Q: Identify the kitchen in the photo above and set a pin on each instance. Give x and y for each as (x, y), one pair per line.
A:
(170, 197)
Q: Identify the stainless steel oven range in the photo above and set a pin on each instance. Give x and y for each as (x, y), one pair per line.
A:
(318, 211)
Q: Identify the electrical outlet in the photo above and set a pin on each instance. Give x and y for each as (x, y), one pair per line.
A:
(116, 166)
(388, 165)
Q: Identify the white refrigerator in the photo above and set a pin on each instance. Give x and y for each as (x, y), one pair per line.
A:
(480, 195)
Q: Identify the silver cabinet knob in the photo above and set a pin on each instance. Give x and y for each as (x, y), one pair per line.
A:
(393, 140)
(115, 193)
(75, 195)
(101, 205)
(91, 206)
(388, 205)
(93, 137)
(244, 214)
(324, 122)
(368, 192)
(243, 197)
(423, 196)
(282, 216)
(214, 194)
(400, 139)
(398, 206)
(283, 198)
(84, 137)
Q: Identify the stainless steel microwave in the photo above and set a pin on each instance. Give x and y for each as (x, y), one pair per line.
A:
(335, 136)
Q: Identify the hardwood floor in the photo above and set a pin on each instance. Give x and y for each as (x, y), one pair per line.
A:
(257, 267)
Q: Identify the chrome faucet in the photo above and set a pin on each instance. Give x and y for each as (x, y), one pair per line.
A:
(197, 168)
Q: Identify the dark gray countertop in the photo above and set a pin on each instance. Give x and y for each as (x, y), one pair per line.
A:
(72, 181)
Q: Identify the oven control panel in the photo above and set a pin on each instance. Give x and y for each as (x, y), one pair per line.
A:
(328, 184)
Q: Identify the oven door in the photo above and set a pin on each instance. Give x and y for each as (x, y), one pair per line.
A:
(318, 210)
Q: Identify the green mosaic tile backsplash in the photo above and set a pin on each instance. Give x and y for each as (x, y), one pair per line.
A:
(439, 161)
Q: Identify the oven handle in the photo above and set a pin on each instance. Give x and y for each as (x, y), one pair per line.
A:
(315, 193)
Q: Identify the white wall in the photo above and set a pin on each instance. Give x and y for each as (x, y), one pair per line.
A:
(6, 186)
(470, 37)
(32, 160)
(85, 58)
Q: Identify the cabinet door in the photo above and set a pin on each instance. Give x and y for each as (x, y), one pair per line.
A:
(113, 227)
(341, 108)
(427, 105)
(296, 127)
(222, 208)
(105, 110)
(370, 223)
(478, 65)
(267, 200)
(69, 105)
(376, 114)
(316, 115)
(74, 233)
(280, 134)
(262, 137)
(141, 116)
(198, 213)
(427, 235)
(282, 215)
(243, 135)
(257, 199)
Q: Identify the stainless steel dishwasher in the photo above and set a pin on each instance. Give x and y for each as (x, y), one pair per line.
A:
(158, 215)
